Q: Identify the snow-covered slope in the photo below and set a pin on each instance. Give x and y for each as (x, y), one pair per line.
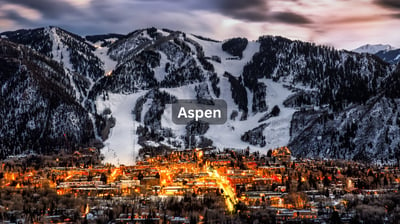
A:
(386, 52)
(278, 127)
(122, 146)
(39, 111)
(167, 56)
(276, 133)
(101, 52)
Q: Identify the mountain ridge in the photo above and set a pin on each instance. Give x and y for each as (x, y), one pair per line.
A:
(126, 83)
(373, 48)
(386, 52)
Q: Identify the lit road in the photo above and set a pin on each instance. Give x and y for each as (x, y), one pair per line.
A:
(230, 196)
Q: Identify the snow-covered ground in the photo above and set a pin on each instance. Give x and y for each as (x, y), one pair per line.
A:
(121, 147)
(183, 92)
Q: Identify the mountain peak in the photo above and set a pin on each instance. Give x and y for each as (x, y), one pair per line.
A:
(373, 48)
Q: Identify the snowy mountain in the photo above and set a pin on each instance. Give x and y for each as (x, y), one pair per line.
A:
(40, 111)
(319, 101)
(373, 48)
(385, 52)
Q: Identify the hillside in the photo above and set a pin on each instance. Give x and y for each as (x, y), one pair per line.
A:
(320, 101)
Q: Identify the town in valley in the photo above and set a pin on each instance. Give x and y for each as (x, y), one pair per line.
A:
(197, 186)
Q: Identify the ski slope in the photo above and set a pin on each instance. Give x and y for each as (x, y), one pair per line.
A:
(121, 146)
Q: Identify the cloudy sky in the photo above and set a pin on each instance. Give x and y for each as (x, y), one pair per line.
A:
(341, 23)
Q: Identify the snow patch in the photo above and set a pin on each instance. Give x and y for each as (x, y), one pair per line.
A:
(159, 72)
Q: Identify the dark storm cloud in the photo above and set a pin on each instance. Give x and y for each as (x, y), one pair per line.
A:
(390, 4)
(291, 18)
(109, 12)
(123, 16)
(393, 4)
(15, 17)
(253, 11)
(250, 10)
(397, 15)
(48, 8)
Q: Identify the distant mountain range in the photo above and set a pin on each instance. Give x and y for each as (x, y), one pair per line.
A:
(374, 48)
(60, 90)
(386, 52)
